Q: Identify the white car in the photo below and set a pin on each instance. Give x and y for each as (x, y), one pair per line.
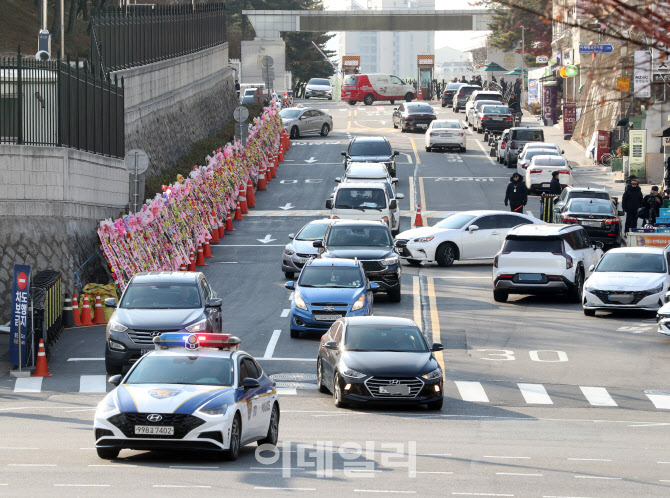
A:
(538, 173)
(501, 145)
(445, 133)
(462, 235)
(480, 95)
(319, 87)
(364, 201)
(543, 145)
(195, 392)
(367, 171)
(628, 278)
(527, 154)
(544, 259)
(390, 191)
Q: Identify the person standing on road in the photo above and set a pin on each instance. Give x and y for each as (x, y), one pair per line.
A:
(503, 85)
(632, 201)
(555, 184)
(516, 194)
(654, 202)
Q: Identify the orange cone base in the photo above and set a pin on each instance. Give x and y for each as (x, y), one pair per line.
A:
(41, 369)
(207, 250)
(215, 235)
(221, 231)
(251, 198)
(191, 262)
(238, 212)
(229, 224)
(262, 183)
(200, 259)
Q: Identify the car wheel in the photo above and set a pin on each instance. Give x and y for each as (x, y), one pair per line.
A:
(319, 378)
(395, 294)
(408, 97)
(589, 312)
(337, 395)
(108, 453)
(393, 173)
(435, 405)
(413, 262)
(392, 102)
(295, 334)
(444, 105)
(455, 109)
(531, 191)
(500, 296)
(273, 429)
(369, 99)
(576, 291)
(428, 149)
(330, 98)
(325, 129)
(352, 102)
(446, 254)
(295, 132)
(395, 126)
(464, 149)
(233, 451)
(306, 97)
(111, 368)
(289, 274)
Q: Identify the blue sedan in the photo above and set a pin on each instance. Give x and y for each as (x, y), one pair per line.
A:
(326, 290)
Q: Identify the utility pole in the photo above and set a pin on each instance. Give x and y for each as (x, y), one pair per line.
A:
(523, 63)
(62, 30)
(44, 15)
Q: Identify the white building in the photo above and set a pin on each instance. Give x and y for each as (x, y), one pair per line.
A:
(387, 52)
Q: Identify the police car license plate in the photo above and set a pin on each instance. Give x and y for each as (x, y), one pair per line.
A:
(163, 430)
(421, 126)
(398, 390)
(145, 351)
(327, 318)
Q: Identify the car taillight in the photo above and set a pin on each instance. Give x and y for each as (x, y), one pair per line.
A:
(485, 118)
(614, 221)
(569, 219)
(564, 171)
(502, 145)
(461, 95)
(334, 217)
(536, 171)
(462, 134)
(509, 118)
(495, 262)
(512, 145)
(568, 259)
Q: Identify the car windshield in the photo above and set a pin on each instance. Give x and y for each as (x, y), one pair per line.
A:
(455, 221)
(532, 244)
(249, 91)
(312, 231)
(549, 161)
(446, 124)
(365, 236)
(248, 99)
(384, 338)
(290, 113)
(319, 81)
(481, 103)
(592, 206)
(181, 369)
(467, 90)
(350, 80)
(632, 262)
(589, 195)
(360, 198)
(454, 86)
(540, 145)
(528, 135)
(167, 295)
(331, 276)
(489, 96)
(420, 108)
(539, 152)
(496, 109)
(369, 148)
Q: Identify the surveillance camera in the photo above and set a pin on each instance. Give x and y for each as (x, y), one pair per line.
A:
(42, 55)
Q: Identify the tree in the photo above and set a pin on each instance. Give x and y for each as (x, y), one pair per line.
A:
(303, 60)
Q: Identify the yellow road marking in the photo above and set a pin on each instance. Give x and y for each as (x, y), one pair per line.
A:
(434, 320)
(416, 292)
(349, 114)
(356, 112)
(416, 154)
(348, 124)
(422, 193)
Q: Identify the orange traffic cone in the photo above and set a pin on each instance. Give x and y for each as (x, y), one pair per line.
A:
(42, 369)
(251, 198)
(262, 182)
(276, 160)
(182, 267)
(271, 168)
(281, 153)
(221, 231)
(207, 250)
(98, 315)
(238, 211)
(229, 223)
(76, 312)
(200, 259)
(418, 221)
(86, 312)
(214, 232)
(243, 198)
(191, 261)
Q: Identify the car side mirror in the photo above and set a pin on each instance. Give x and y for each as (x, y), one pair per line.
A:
(317, 243)
(215, 302)
(331, 345)
(343, 154)
(115, 380)
(329, 204)
(374, 287)
(598, 245)
(291, 236)
(400, 196)
(591, 268)
(396, 153)
(393, 204)
(303, 117)
(395, 108)
(473, 228)
(394, 180)
(338, 179)
(437, 347)
(110, 302)
(290, 285)
(555, 200)
(562, 152)
(249, 383)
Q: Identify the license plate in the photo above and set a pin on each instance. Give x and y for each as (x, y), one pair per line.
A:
(164, 430)
(302, 261)
(496, 118)
(327, 318)
(591, 223)
(621, 298)
(545, 185)
(530, 277)
(399, 390)
(421, 126)
(145, 351)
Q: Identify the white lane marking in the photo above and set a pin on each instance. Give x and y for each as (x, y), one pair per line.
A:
(590, 459)
(480, 494)
(599, 477)
(663, 462)
(92, 409)
(82, 485)
(285, 312)
(86, 359)
(31, 465)
(290, 296)
(270, 350)
(92, 384)
(597, 396)
(517, 474)
(287, 391)
(661, 401)
(194, 467)
(485, 152)
(385, 491)
(269, 488)
(508, 457)
(17, 448)
(113, 465)
(286, 359)
(433, 472)
(535, 394)
(436, 454)
(28, 385)
(472, 391)
(267, 239)
(179, 486)
(530, 213)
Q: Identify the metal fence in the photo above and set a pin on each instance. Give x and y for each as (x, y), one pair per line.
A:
(137, 35)
(64, 104)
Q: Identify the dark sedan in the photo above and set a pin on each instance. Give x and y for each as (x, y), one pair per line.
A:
(375, 359)
(599, 218)
(449, 92)
(493, 117)
(413, 116)
(371, 150)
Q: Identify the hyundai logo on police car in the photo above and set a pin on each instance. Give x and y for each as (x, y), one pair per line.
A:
(154, 417)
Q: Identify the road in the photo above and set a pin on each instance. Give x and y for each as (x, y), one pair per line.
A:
(540, 400)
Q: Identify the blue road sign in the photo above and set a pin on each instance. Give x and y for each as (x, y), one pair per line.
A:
(595, 48)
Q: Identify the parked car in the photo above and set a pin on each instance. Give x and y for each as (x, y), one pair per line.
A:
(306, 121)
(529, 153)
(492, 118)
(501, 145)
(480, 95)
(327, 290)
(371, 243)
(445, 133)
(319, 87)
(570, 193)
(413, 116)
(544, 259)
(368, 88)
(461, 236)
(462, 96)
(371, 150)
(379, 359)
(448, 94)
(518, 137)
(598, 217)
(541, 145)
(538, 172)
(365, 201)
(300, 250)
(629, 278)
(153, 303)
(472, 111)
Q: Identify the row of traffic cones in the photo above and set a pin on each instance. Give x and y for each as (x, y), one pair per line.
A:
(74, 317)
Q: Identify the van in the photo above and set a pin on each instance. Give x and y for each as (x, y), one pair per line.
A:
(369, 88)
(363, 201)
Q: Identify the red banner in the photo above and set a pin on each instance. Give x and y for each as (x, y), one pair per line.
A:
(569, 117)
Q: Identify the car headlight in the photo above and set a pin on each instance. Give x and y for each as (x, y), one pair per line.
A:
(393, 260)
(198, 326)
(656, 290)
(424, 239)
(288, 251)
(435, 374)
(116, 345)
(350, 372)
(360, 302)
(299, 301)
(660, 317)
(214, 409)
(107, 405)
(115, 326)
(588, 288)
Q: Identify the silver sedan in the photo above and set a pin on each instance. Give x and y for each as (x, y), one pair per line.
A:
(306, 120)
(300, 249)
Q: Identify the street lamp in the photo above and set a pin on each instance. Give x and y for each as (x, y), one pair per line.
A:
(523, 63)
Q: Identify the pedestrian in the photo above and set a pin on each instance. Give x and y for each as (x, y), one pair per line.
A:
(555, 184)
(237, 87)
(654, 202)
(629, 180)
(503, 85)
(632, 201)
(463, 80)
(516, 194)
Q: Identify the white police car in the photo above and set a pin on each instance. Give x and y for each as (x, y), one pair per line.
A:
(195, 392)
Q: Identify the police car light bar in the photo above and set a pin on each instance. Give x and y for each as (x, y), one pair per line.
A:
(195, 341)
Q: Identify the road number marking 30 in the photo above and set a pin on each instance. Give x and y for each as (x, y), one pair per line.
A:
(542, 355)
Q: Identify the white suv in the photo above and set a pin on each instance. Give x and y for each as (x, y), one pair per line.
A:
(364, 201)
(537, 259)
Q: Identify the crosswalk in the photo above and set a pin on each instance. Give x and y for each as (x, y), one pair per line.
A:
(492, 393)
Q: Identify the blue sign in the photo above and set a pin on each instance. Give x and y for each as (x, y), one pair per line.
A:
(20, 308)
(596, 48)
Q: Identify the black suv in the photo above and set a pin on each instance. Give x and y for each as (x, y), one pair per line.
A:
(372, 244)
(448, 94)
(413, 116)
(518, 137)
(371, 150)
